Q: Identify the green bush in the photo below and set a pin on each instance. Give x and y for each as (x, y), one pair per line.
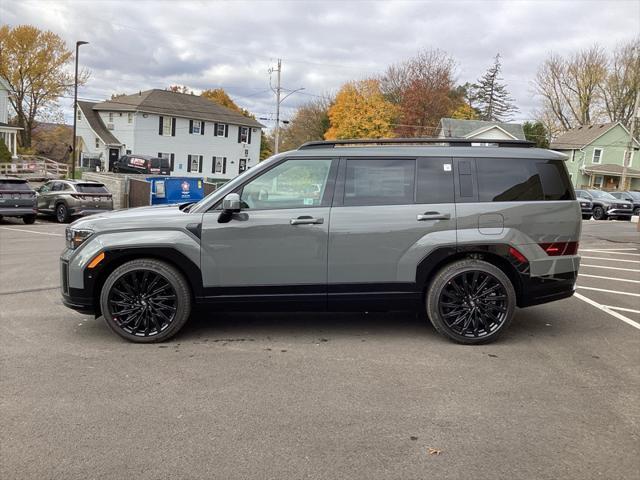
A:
(5, 154)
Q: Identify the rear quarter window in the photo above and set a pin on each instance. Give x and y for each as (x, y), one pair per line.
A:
(91, 188)
(517, 180)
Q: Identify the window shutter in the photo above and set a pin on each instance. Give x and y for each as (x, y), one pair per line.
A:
(215, 130)
(172, 161)
(224, 165)
(159, 154)
(160, 125)
(190, 126)
(226, 131)
(201, 128)
(173, 127)
(213, 164)
(239, 133)
(188, 163)
(249, 135)
(200, 162)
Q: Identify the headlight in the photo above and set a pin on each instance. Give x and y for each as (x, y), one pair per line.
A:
(75, 238)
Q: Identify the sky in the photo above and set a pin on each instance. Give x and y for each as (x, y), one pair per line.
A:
(139, 45)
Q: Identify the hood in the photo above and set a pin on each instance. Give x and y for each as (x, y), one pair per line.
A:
(137, 218)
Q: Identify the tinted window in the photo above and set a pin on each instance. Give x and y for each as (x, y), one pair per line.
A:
(291, 184)
(516, 180)
(57, 186)
(91, 188)
(14, 185)
(379, 182)
(435, 180)
(160, 162)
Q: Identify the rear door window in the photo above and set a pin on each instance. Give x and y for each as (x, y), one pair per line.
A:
(434, 180)
(379, 182)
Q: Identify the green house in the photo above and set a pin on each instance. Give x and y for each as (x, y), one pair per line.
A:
(597, 154)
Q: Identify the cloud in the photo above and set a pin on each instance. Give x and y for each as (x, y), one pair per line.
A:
(137, 45)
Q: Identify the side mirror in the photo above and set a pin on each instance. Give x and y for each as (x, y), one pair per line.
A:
(231, 203)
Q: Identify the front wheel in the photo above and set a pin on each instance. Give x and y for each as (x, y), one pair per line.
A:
(29, 219)
(471, 302)
(145, 301)
(599, 214)
(636, 212)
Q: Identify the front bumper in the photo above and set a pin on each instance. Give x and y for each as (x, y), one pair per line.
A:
(619, 212)
(74, 298)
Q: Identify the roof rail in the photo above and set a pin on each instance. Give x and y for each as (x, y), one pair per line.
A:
(451, 142)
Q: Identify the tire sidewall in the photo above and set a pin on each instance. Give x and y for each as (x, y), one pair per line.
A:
(598, 213)
(172, 275)
(65, 217)
(449, 272)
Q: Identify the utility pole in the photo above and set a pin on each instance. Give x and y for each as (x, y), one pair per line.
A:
(279, 100)
(75, 111)
(629, 153)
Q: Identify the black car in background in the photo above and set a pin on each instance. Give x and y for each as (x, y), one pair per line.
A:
(605, 205)
(17, 199)
(632, 197)
(144, 164)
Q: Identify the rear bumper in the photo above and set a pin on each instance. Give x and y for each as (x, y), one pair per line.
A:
(545, 289)
(17, 212)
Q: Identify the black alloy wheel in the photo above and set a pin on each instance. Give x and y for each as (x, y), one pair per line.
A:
(146, 300)
(471, 301)
(62, 213)
(598, 213)
(636, 211)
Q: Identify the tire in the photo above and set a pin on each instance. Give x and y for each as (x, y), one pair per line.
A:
(62, 213)
(586, 217)
(151, 318)
(598, 213)
(499, 303)
(29, 219)
(637, 211)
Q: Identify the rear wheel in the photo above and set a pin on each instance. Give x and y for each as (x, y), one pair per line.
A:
(471, 301)
(599, 214)
(62, 213)
(637, 211)
(29, 219)
(146, 301)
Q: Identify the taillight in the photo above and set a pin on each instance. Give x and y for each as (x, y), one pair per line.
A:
(517, 255)
(556, 249)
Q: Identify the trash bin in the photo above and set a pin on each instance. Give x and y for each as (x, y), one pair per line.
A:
(175, 189)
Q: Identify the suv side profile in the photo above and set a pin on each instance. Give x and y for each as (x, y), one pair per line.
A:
(462, 233)
(73, 198)
(144, 164)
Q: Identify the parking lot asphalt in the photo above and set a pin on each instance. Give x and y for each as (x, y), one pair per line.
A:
(359, 396)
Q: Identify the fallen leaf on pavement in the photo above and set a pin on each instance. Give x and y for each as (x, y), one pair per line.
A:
(434, 451)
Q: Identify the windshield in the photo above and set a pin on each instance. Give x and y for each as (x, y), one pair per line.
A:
(91, 188)
(14, 185)
(599, 194)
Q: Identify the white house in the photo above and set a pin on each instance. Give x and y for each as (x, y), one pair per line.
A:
(480, 129)
(199, 136)
(7, 133)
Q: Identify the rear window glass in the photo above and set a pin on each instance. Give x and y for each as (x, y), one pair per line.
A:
(516, 180)
(91, 188)
(379, 182)
(435, 180)
(14, 185)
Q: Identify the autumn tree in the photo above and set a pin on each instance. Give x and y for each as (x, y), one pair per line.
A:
(491, 97)
(179, 89)
(221, 97)
(266, 146)
(621, 83)
(52, 140)
(360, 110)
(537, 133)
(310, 122)
(422, 88)
(34, 63)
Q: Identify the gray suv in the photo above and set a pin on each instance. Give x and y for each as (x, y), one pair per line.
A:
(73, 198)
(462, 233)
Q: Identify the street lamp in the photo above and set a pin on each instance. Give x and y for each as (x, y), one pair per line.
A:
(75, 112)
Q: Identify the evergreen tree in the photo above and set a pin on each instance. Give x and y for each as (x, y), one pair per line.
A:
(537, 133)
(490, 95)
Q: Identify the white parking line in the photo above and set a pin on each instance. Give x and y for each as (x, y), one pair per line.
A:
(609, 268)
(604, 308)
(613, 259)
(609, 249)
(611, 252)
(32, 231)
(609, 291)
(623, 309)
(609, 278)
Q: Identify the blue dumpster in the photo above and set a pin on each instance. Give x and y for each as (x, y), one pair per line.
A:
(175, 189)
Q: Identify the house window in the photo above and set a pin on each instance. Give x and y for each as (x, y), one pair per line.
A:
(166, 126)
(219, 129)
(195, 163)
(597, 182)
(243, 165)
(218, 164)
(111, 116)
(79, 115)
(129, 117)
(244, 135)
(628, 158)
(196, 128)
(597, 155)
(97, 142)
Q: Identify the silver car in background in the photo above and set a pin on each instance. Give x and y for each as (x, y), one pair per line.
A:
(73, 198)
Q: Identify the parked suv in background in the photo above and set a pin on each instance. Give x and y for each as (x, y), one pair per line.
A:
(606, 205)
(586, 208)
(631, 197)
(17, 199)
(462, 233)
(73, 198)
(142, 164)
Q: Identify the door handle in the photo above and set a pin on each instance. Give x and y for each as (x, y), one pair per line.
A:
(433, 216)
(306, 220)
